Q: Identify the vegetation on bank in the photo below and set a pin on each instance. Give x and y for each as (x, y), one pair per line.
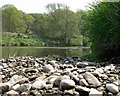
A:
(103, 29)
(98, 27)
(59, 26)
(20, 39)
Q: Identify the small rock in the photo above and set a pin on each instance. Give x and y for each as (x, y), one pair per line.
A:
(118, 94)
(103, 76)
(59, 79)
(83, 82)
(117, 82)
(112, 88)
(75, 78)
(38, 84)
(31, 70)
(12, 93)
(53, 62)
(24, 94)
(15, 87)
(51, 79)
(94, 92)
(48, 68)
(48, 86)
(68, 92)
(17, 79)
(3, 88)
(81, 64)
(24, 87)
(91, 79)
(82, 89)
(67, 84)
(12, 64)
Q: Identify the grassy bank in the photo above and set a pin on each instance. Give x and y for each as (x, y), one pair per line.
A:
(15, 39)
(28, 39)
(19, 39)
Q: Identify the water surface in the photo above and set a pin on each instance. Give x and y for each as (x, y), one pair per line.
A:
(45, 51)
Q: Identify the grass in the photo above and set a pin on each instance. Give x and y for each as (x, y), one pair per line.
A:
(16, 39)
(20, 40)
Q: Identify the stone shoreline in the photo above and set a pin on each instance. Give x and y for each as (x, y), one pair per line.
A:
(56, 76)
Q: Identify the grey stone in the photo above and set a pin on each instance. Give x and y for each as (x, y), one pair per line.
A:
(15, 87)
(67, 84)
(118, 94)
(38, 84)
(24, 87)
(17, 79)
(112, 88)
(4, 87)
(83, 82)
(81, 64)
(24, 94)
(94, 92)
(91, 79)
(59, 79)
(12, 93)
(82, 89)
(48, 68)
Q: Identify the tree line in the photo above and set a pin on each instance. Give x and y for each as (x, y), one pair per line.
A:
(99, 26)
(60, 24)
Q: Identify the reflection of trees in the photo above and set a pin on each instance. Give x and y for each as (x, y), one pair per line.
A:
(41, 52)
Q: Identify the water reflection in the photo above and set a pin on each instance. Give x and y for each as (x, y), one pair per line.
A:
(44, 51)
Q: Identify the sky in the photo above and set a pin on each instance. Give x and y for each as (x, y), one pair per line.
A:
(38, 6)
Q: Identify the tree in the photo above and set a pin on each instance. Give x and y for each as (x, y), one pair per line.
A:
(104, 29)
(40, 25)
(12, 19)
(83, 21)
(63, 23)
(28, 19)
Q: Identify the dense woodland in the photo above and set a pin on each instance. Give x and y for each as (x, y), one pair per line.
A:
(98, 27)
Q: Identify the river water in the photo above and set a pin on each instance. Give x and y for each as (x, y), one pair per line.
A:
(45, 51)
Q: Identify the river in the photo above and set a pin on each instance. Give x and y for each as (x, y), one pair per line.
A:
(45, 51)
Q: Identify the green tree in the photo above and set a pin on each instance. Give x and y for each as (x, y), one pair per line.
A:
(104, 29)
(28, 19)
(63, 23)
(83, 21)
(12, 19)
(40, 24)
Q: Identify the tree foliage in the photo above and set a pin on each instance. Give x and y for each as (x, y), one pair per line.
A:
(104, 29)
(63, 23)
(12, 19)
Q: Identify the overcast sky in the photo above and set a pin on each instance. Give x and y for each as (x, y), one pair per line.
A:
(38, 6)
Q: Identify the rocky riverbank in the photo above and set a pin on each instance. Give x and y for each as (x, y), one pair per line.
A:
(55, 76)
